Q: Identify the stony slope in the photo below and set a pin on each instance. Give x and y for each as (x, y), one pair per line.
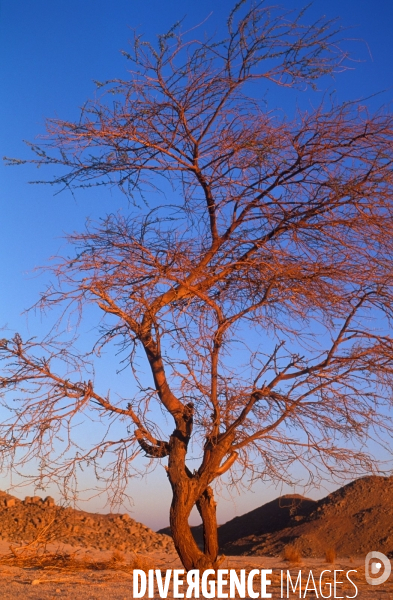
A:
(270, 517)
(354, 520)
(24, 520)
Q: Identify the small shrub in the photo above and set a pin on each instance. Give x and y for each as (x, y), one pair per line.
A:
(141, 562)
(291, 554)
(330, 555)
(63, 562)
(117, 557)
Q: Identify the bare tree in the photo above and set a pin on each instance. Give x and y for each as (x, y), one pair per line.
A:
(259, 295)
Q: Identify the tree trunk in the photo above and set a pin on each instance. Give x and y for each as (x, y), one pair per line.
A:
(206, 506)
(190, 555)
(186, 490)
(190, 489)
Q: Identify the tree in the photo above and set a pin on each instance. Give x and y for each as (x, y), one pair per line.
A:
(259, 295)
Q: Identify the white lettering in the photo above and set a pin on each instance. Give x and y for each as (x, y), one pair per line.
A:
(325, 584)
(214, 584)
(239, 584)
(177, 582)
(163, 589)
(205, 592)
(220, 582)
(250, 588)
(193, 583)
(298, 581)
(336, 582)
(139, 592)
(354, 585)
(265, 582)
(150, 576)
(313, 588)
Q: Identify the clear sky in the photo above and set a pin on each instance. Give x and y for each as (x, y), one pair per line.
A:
(50, 53)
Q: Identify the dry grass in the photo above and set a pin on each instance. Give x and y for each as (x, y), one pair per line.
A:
(45, 535)
(142, 563)
(36, 555)
(61, 561)
(64, 562)
(292, 554)
(118, 557)
(330, 555)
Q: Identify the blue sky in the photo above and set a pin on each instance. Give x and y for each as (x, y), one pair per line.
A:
(50, 53)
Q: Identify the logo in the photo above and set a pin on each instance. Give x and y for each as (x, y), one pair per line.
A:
(374, 563)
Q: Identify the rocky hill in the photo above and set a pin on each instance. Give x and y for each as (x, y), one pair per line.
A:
(353, 520)
(24, 520)
(273, 516)
(266, 519)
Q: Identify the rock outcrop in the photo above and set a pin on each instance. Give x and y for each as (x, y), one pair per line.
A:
(24, 520)
(353, 520)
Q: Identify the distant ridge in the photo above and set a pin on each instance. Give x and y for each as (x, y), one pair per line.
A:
(353, 520)
(270, 517)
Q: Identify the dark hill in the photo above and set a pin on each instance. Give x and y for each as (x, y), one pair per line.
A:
(353, 520)
(265, 519)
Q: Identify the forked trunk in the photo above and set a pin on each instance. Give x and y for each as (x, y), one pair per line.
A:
(189, 491)
(190, 555)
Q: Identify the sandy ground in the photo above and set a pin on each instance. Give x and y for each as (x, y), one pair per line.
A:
(48, 584)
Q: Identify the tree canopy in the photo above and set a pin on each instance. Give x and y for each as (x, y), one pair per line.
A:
(257, 293)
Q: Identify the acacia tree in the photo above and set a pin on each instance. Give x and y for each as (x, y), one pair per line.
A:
(259, 295)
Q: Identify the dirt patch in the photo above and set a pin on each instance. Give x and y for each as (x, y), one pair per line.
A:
(53, 581)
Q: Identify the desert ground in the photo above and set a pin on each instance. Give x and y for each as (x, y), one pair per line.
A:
(49, 551)
(47, 583)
